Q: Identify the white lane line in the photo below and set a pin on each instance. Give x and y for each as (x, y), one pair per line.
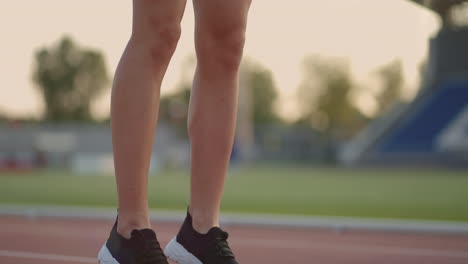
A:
(31, 255)
(284, 244)
(342, 247)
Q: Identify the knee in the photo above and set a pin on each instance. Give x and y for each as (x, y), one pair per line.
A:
(167, 38)
(159, 40)
(221, 49)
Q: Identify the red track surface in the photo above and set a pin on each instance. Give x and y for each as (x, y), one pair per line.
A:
(54, 241)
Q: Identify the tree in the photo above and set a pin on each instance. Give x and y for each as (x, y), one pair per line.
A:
(69, 78)
(391, 76)
(325, 104)
(324, 98)
(173, 107)
(263, 93)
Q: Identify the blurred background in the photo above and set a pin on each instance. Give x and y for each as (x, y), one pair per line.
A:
(346, 108)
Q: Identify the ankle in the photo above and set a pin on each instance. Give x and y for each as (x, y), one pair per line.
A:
(127, 223)
(202, 221)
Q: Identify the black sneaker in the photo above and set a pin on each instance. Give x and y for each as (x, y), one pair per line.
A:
(142, 248)
(191, 247)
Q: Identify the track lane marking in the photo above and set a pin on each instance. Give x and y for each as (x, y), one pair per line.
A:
(339, 246)
(284, 244)
(43, 256)
(280, 244)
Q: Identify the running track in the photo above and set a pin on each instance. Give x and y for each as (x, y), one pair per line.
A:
(54, 241)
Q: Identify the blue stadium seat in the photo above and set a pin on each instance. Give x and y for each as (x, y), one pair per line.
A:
(418, 132)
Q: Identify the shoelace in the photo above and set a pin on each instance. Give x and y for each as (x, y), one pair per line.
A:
(221, 245)
(152, 253)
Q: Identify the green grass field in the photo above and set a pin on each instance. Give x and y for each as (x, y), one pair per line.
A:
(376, 193)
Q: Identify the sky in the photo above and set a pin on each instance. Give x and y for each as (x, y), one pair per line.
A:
(369, 33)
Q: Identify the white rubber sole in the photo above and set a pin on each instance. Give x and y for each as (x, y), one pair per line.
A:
(176, 252)
(105, 257)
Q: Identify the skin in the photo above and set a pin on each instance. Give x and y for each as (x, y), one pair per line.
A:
(219, 40)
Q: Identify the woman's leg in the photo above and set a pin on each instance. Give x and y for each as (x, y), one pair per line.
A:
(219, 39)
(135, 101)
